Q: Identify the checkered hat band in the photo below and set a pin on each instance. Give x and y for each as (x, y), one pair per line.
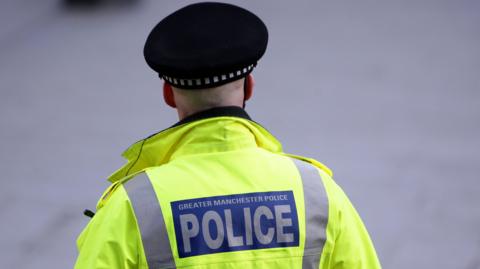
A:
(208, 82)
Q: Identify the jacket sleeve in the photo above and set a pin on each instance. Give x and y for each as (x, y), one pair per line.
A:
(350, 245)
(111, 238)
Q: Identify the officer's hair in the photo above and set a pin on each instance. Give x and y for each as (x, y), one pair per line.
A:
(225, 95)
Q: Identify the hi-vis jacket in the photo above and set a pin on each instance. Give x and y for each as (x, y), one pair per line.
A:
(216, 191)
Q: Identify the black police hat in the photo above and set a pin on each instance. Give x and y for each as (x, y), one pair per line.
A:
(206, 45)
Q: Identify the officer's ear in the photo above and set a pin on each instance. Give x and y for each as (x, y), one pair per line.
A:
(249, 84)
(168, 95)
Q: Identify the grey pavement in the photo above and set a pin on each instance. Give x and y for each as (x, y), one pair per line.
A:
(386, 93)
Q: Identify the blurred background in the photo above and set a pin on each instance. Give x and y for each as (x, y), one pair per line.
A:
(386, 93)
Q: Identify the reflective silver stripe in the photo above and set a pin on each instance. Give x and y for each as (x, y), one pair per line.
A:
(150, 222)
(316, 213)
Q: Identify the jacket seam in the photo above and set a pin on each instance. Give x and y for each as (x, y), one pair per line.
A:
(248, 260)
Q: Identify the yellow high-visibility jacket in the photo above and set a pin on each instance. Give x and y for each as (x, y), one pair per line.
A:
(216, 191)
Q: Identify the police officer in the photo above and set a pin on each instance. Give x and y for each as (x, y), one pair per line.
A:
(216, 190)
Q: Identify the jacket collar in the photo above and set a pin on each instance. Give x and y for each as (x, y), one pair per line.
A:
(158, 149)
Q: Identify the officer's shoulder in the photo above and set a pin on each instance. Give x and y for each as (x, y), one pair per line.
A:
(320, 166)
(113, 189)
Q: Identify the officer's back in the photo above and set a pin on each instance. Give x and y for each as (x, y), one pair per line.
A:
(216, 190)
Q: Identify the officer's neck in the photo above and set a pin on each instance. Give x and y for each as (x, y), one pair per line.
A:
(184, 113)
(223, 111)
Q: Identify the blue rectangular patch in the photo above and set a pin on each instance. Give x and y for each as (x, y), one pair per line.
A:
(235, 222)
